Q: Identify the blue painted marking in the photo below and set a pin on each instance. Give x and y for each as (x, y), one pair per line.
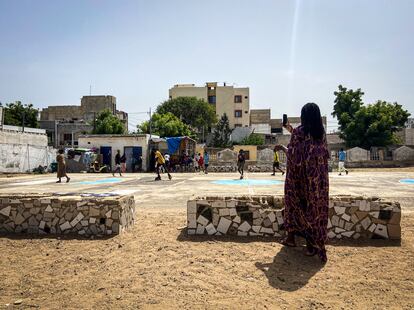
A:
(407, 181)
(248, 182)
(103, 181)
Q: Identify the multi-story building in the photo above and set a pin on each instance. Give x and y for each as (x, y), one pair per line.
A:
(65, 123)
(230, 100)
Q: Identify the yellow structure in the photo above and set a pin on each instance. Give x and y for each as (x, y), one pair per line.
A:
(250, 150)
(234, 101)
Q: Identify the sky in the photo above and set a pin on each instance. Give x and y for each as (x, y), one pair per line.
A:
(287, 52)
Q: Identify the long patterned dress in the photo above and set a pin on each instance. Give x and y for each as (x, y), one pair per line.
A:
(61, 172)
(307, 189)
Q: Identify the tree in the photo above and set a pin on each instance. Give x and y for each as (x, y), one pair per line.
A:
(253, 139)
(367, 125)
(14, 113)
(165, 125)
(192, 111)
(107, 123)
(221, 133)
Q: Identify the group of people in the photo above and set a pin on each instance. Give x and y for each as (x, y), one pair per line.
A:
(306, 184)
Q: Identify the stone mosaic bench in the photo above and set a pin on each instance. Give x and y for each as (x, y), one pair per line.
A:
(45, 214)
(349, 217)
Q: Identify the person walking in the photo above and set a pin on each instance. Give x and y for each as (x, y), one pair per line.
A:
(117, 163)
(206, 161)
(307, 183)
(160, 162)
(123, 163)
(276, 161)
(200, 162)
(341, 162)
(241, 160)
(61, 171)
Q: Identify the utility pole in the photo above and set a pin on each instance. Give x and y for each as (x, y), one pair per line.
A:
(150, 123)
(24, 119)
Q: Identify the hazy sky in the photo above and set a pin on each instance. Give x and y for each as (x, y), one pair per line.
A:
(287, 52)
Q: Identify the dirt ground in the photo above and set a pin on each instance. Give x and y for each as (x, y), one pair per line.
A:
(155, 265)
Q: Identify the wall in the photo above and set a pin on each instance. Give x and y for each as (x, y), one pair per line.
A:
(42, 214)
(349, 217)
(21, 152)
(61, 112)
(403, 153)
(117, 142)
(190, 91)
(357, 154)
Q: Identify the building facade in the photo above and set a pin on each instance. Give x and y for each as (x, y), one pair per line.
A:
(64, 124)
(230, 100)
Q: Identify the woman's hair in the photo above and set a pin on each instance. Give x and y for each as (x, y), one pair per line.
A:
(312, 121)
(61, 151)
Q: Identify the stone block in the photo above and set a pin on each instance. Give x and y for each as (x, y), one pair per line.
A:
(331, 234)
(191, 207)
(258, 222)
(347, 234)
(211, 230)
(381, 230)
(219, 204)
(245, 227)
(237, 220)
(94, 212)
(242, 233)
(233, 211)
(374, 214)
(372, 227)
(329, 223)
(200, 229)
(191, 231)
(267, 222)
(346, 217)
(339, 210)
(265, 230)
(223, 225)
(84, 223)
(348, 226)
(335, 221)
(366, 222)
(272, 216)
(49, 209)
(19, 219)
(5, 211)
(42, 224)
(66, 225)
(356, 236)
(354, 218)
(256, 229)
(395, 219)
(224, 212)
(275, 226)
(341, 223)
(202, 220)
(231, 204)
(339, 230)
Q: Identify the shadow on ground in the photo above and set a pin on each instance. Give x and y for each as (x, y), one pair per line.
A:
(183, 237)
(290, 269)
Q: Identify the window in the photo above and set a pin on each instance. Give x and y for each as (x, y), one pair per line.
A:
(211, 99)
(238, 125)
(237, 99)
(67, 137)
(246, 154)
(276, 130)
(237, 113)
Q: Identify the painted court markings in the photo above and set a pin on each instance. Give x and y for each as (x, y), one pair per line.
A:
(248, 182)
(407, 181)
(102, 181)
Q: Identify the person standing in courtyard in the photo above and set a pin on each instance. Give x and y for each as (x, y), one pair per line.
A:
(200, 162)
(341, 162)
(307, 183)
(276, 161)
(61, 171)
(241, 160)
(160, 162)
(206, 161)
(117, 163)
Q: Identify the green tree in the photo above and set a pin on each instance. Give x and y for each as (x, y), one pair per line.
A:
(192, 111)
(107, 123)
(165, 125)
(221, 133)
(367, 125)
(14, 113)
(253, 139)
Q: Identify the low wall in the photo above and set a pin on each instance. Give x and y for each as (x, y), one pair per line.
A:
(43, 214)
(349, 217)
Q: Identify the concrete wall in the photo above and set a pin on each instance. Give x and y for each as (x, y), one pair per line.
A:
(252, 149)
(189, 91)
(21, 151)
(117, 142)
(403, 153)
(357, 154)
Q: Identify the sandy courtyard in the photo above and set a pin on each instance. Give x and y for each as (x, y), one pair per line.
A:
(155, 265)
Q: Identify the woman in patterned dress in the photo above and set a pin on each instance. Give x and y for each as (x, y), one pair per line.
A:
(307, 183)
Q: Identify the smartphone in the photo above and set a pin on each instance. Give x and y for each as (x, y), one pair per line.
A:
(285, 120)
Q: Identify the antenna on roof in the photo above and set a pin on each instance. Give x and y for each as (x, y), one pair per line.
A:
(90, 90)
